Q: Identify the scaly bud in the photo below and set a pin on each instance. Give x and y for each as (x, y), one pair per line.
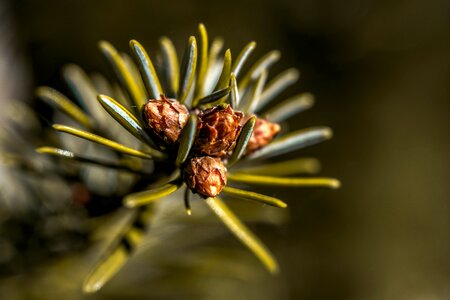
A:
(166, 117)
(206, 175)
(263, 134)
(218, 128)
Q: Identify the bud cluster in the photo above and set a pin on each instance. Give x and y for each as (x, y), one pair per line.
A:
(217, 131)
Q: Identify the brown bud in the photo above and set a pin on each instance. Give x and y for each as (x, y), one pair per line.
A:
(263, 134)
(218, 128)
(206, 175)
(166, 117)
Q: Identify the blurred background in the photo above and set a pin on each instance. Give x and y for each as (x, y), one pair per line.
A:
(380, 71)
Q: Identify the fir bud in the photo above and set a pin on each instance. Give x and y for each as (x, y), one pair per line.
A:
(166, 117)
(206, 175)
(263, 134)
(218, 128)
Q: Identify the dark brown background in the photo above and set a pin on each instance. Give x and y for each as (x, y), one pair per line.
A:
(380, 73)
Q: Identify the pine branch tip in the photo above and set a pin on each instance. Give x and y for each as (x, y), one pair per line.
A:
(327, 133)
(103, 44)
(41, 150)
(335, 184)
(129, 202)
(41, 91)
(133, 43)
(275, 270)
(91, 289)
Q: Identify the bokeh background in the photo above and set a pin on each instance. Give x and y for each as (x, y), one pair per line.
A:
(380, 71)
